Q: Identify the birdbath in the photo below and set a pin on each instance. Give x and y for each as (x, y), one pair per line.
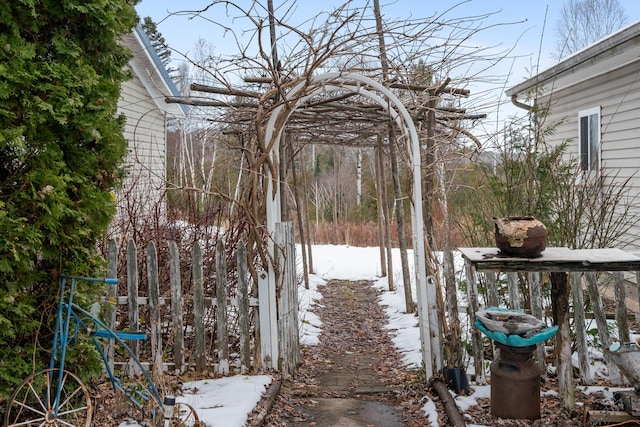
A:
(515, 377)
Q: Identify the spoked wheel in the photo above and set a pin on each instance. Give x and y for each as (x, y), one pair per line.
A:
(184, 415)
(34, 401)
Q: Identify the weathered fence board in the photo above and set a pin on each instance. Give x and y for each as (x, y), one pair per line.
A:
(621, 307)
(134, 316)
(288, 331)
(535, 294)
(514, 291)
(173, 327)
(198, 307)
(155, 315)
(112, 311)
(476, 336)
(580, 327)
(222, 343)
(176, 306)
(190, 327)
(243, 301)
(603, 327)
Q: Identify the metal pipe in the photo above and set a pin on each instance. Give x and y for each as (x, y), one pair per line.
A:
(514, 101)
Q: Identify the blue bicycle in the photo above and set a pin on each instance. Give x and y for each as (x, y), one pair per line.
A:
(57, 397)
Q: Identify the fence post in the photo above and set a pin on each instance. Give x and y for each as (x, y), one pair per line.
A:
(493, 300)
(243, 307)
(198, 307)
(155, 315)
(268, 322)
(222, 343)
(132, 301)
(288, 335)
(476, 337)
(535, 293)
(451, 307)
(176, 305)
(579, 325)
(112, 256)
(514, 291)
(621, 307)
(603, 328)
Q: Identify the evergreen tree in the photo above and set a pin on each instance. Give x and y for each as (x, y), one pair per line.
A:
(61, 154)
(158, 42)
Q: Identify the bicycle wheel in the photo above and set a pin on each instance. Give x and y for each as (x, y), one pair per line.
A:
(34, 401)
(184, 415)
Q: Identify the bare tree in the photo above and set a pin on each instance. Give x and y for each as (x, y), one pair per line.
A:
(583, 22)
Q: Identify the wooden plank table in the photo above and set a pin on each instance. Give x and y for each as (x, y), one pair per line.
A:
(558, 262)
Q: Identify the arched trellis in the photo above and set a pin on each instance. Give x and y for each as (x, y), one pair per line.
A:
(425, 289)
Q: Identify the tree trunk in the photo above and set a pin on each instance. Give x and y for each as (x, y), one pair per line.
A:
(359, 177)
(305, 216)
(379, 205)
(299, 214)
(402, 238)
(429, 162)
(387, 216)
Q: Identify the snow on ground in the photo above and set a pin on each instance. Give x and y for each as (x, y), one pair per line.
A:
(226, 402)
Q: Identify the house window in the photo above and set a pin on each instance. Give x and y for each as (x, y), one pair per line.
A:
(589, 139)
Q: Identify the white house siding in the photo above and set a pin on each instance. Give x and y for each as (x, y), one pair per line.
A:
(142, 198)
(146, 134)
(617, 93)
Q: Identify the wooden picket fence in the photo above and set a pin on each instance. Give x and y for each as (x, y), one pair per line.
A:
(538, 310)
(192, 329)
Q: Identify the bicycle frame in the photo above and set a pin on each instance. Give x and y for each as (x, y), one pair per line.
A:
(62, 337)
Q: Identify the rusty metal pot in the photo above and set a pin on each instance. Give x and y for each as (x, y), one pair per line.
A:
(521, 236)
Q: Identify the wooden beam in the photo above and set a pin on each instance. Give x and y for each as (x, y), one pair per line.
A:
(224, 91)
(201, 102)
(415, 88)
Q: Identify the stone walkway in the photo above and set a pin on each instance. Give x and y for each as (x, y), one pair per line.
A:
(354, 377)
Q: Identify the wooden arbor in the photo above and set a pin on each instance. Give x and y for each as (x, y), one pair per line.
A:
(377, 93)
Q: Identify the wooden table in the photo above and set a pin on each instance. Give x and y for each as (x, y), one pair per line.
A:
(558, 262)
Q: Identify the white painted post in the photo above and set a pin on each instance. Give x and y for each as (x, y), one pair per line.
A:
(268, 322)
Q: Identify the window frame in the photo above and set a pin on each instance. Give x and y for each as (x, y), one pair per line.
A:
(585, 125)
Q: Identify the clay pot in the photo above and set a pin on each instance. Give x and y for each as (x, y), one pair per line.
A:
(520, 236)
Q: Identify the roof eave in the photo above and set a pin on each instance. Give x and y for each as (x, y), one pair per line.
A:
(169, 87)
(599, 48)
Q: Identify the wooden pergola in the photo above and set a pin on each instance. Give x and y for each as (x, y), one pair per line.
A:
(364, 108)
